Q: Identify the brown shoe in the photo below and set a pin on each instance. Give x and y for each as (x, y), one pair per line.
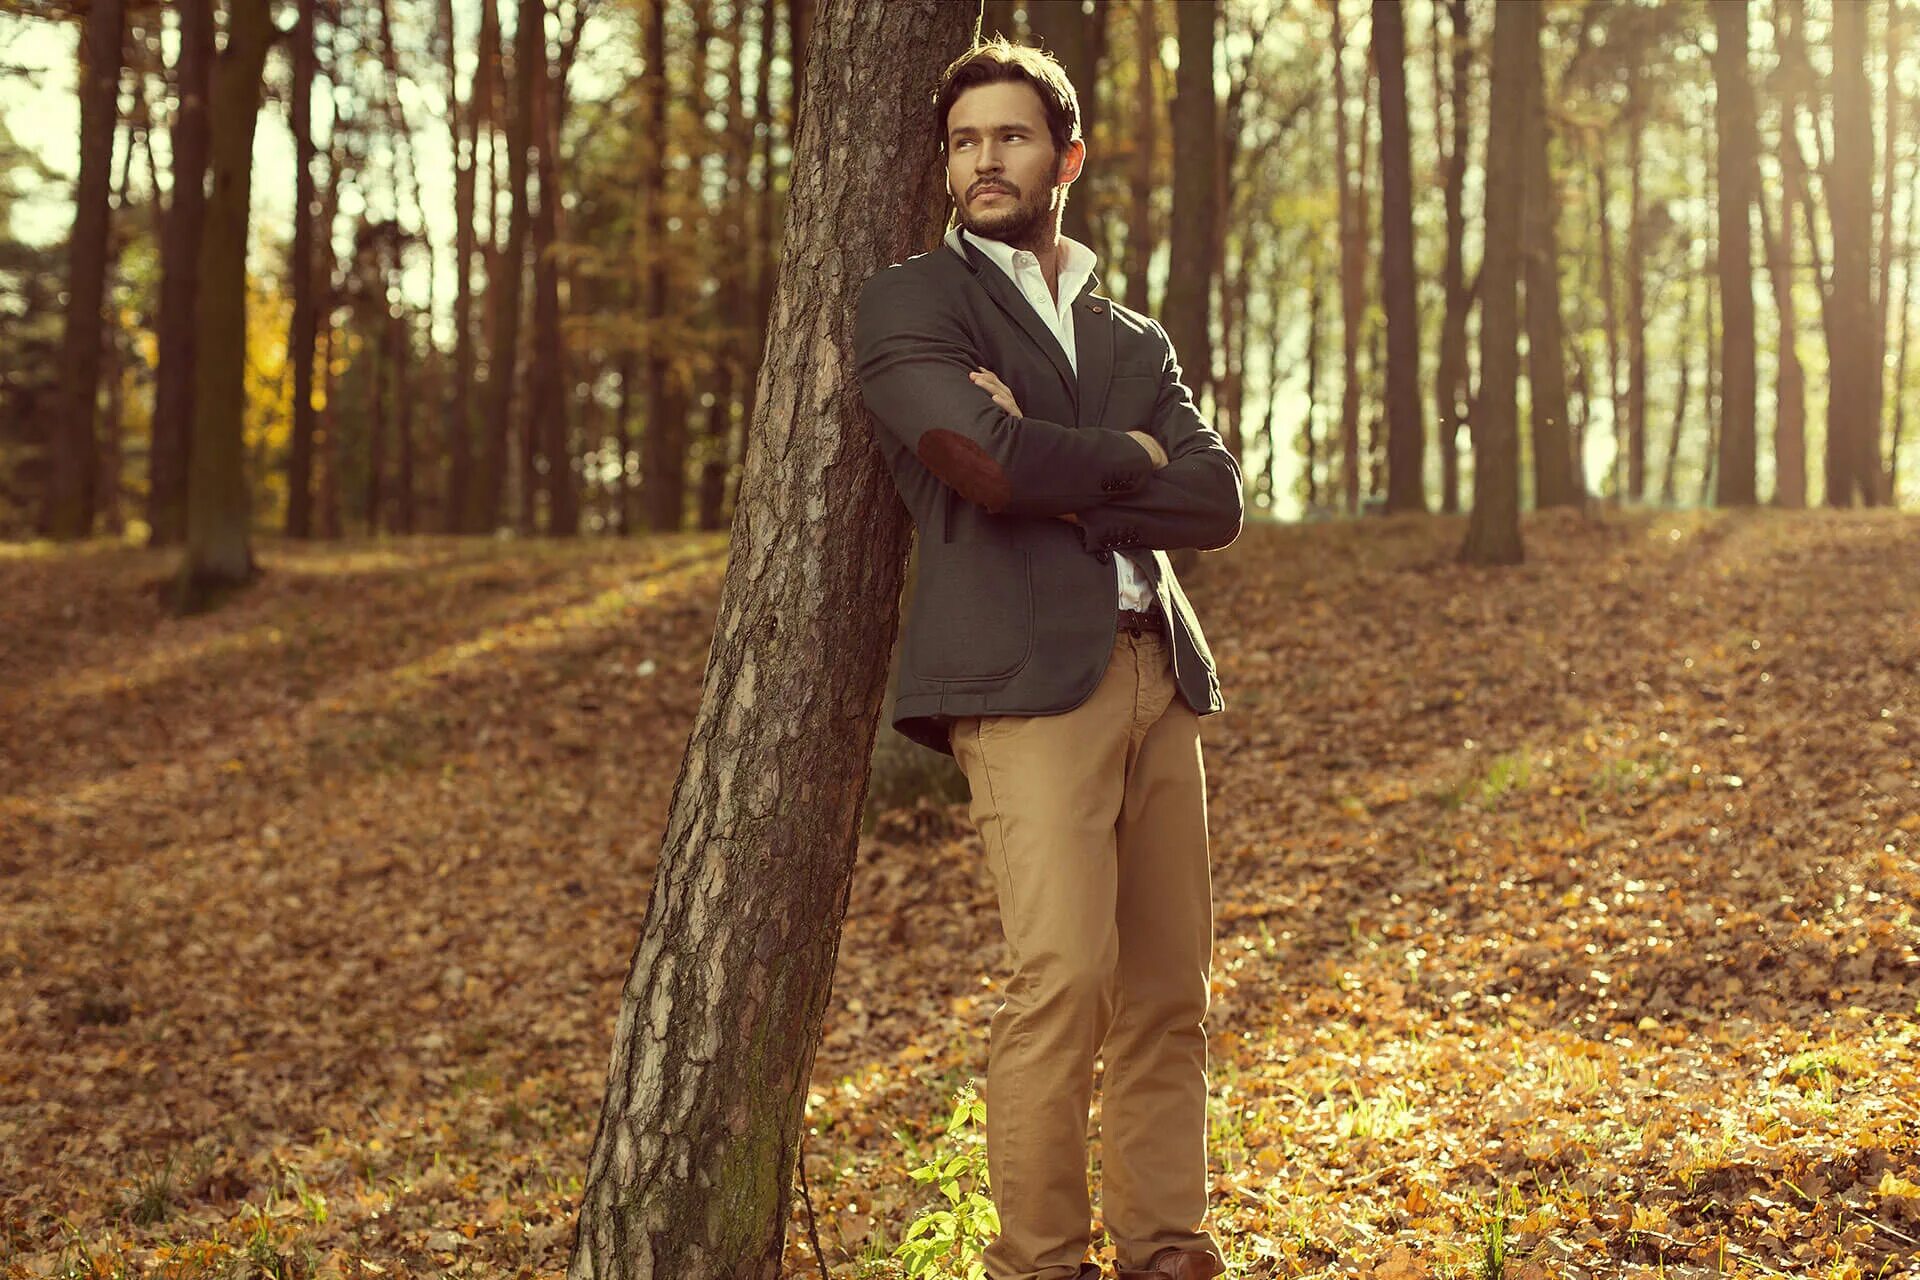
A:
(1172, 1263)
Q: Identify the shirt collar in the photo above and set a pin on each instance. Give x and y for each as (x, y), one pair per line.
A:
(1076, 263)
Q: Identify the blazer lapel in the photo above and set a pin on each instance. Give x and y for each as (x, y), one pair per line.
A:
(1093, 349)
(1010, 300)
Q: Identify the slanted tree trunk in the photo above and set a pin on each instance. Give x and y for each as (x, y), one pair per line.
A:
(690, 1168)
(219, 514)
(70, 493)
(1737, 150)
(1556, 482)
(1493, 528)
(1406, 425)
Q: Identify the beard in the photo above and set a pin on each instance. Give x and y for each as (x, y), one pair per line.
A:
(1015, 220)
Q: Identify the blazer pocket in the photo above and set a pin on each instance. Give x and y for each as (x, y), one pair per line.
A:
(972, 615)
(1130, 400)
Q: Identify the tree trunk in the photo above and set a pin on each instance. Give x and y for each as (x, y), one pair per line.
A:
(1143, 239)
(1406, 425)
(1737, 148)
(1078, 40)
(716, 462)
(1493, 528)
(1451, 378)
(504, 288)
(1194, 154)
(662, 448)
(70, 493)
(691, 1162)
(465, 141)
(180, 282)
(547, 376)
(1556, 482)
(219, 516)
(300, 340)
(1636, 283)
(1352, 269)
(1853, 402)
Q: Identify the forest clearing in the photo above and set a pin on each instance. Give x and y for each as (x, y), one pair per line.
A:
(1565, 914)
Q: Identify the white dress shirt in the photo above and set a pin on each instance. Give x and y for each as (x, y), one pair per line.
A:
(1076, 264)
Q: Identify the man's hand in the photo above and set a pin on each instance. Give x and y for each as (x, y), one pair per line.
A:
(1152, 446)
(988, 381)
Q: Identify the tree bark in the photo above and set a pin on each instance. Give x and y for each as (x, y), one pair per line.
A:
(1493, 528)
(464, 139)
(180, 282)
(1451, 377)
(1195, 152)
(1406, 425)
(1737, 150)
(690, 1168)
(219, 515)
(1853, 403)
(504, 289)
(1636, 282)
(301, 339)
(1556, 481)
(70, 493)
(1143, 239)
(1352, 273)
(547, 376)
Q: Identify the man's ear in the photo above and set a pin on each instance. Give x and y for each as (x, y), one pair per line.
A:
(1071, 163)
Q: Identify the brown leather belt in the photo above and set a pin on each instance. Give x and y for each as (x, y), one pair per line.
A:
(1139, 621)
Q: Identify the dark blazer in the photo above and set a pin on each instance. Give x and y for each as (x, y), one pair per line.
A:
(1014, 609)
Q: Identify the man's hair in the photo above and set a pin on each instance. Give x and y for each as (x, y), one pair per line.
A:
(999, 59)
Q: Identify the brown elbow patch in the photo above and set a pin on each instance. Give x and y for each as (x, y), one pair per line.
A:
(971, 470)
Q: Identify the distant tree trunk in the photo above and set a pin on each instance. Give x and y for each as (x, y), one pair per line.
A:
(305, 320)
(1853, 401)
(403, 398)
(1890, 183)
(1352, 271)
(504, 288)
(1451, 378)
(1194, 154)
(219, 515)
(379, 348)
(718, 1025)
(547, 375)
(1610, 308)
(996, 18)
(1493, 528)
(70, 493)
(1636, 283)
(663, 448)
(1309, 444)
(1555, 481)
(1143, 239)
(180, 281)
(1737, 149)
(717, 461)
(1406, 425)
(1789, 431)
(1078, 40)
(465, 141)
(1689, 277)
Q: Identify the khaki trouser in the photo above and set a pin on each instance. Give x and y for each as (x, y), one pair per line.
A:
(1094, 823)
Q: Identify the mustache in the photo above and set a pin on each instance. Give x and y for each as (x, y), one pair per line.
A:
(991, 186)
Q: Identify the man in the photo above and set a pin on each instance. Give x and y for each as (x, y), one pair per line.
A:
(1066, 680)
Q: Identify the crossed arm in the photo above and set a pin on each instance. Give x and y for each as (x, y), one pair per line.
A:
(1171, 484)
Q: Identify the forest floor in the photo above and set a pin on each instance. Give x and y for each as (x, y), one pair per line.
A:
(1566, 913)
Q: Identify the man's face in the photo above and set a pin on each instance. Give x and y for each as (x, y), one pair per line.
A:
(1002, 171)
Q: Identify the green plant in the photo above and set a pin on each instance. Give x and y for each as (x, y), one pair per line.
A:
(948, 1238)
